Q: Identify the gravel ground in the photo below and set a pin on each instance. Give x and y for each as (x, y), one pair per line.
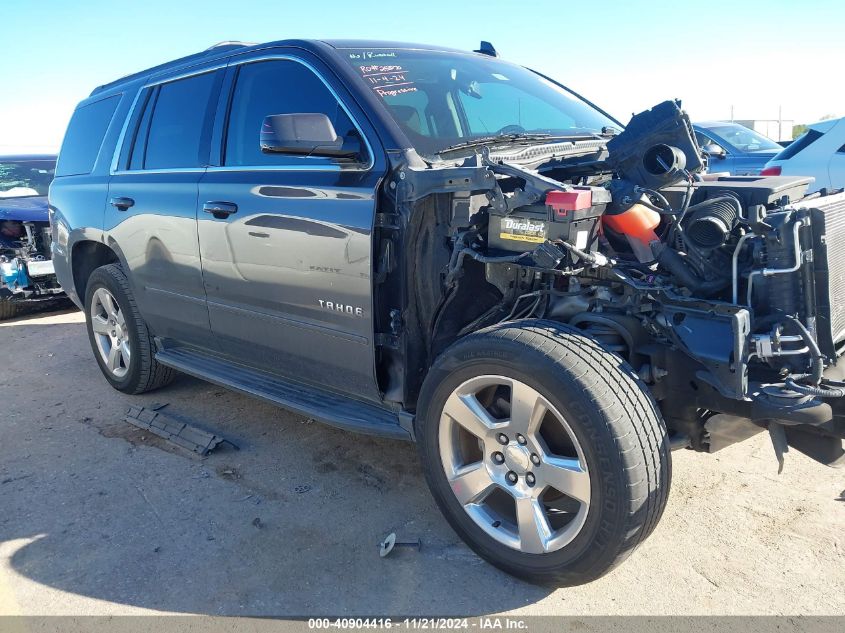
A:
(98, 517)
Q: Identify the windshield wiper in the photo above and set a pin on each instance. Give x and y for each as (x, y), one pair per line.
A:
(498, 138)
(514, 138)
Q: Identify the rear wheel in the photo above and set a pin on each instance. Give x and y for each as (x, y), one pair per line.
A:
(544, 451)
(122, 344)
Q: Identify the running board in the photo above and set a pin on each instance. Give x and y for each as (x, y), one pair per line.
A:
(324, 406)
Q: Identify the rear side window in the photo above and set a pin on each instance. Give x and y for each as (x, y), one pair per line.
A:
(411, 109)
(799, 144)
(277, 87)
(173, 125)
(84, 136)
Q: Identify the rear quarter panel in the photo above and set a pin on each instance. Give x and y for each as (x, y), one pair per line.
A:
(78, 202)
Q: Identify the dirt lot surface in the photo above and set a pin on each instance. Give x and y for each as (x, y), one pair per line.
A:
(98, 517)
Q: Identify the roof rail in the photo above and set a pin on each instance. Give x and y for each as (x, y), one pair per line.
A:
(230, 43)
(216, 49)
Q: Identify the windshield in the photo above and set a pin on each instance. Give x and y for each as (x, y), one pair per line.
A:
(444, 99)
(19, 178)
(744, 139)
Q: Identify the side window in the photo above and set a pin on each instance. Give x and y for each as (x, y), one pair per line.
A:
(702, 140)
(410, 108)
(84, 136)
(137, 156)
(841, 150)
(278, 87)
(170, 132)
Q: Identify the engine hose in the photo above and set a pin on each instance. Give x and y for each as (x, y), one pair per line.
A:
(596, 259)
(468, 252)
(659, 210)
(667, 208)
(818, 363)
(816, 388)
(672, 261)
(820, 392)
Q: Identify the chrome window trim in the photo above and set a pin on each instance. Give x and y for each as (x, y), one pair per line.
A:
(161, 170)
(113, 171)
(304, 167)
(120, 139)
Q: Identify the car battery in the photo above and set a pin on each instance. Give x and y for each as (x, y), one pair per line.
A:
(571, 216)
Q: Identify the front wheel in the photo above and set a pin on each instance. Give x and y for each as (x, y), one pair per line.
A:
(122, 344)
(8, 309)
(544, 451)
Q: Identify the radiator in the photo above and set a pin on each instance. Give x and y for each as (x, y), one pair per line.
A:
(828, 226)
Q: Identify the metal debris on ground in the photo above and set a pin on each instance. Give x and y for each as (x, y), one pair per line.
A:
(174, 430)
(389, 543)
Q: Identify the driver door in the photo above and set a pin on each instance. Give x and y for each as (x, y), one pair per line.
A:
(286, 240)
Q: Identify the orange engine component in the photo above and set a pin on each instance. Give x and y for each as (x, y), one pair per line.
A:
(637, 224)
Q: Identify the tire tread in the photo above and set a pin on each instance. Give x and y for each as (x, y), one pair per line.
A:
(632, 422)
(649, 452)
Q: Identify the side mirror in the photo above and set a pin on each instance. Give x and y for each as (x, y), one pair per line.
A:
(303, 134)
(715, 151)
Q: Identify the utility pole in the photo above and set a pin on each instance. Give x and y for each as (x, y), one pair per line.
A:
(780, 122)
(732, 114)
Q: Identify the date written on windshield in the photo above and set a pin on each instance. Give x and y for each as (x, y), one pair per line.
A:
(388, 80)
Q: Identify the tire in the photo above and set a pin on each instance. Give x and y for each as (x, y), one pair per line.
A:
(8, 309)
(597, 432)
(138, 371)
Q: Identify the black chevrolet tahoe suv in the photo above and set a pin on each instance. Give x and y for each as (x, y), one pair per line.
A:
(441, 246)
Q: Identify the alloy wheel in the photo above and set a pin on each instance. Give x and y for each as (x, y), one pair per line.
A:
(514, 464)
(110, 333)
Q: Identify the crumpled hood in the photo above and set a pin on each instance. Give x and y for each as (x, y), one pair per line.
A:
(29, 209)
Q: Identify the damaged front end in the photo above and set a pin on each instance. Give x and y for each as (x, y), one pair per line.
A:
(26, 270)
(718, 291)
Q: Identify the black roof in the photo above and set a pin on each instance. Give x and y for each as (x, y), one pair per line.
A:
(225, 48)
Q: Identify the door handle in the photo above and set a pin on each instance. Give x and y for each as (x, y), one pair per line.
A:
(220, 210)
(121, 203)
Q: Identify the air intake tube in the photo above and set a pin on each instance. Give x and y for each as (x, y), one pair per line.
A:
(710, 223)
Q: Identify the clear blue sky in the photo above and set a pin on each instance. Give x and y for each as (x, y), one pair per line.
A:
(625, 56)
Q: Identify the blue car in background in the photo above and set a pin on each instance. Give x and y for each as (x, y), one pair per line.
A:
(26, 270)
(734, 148)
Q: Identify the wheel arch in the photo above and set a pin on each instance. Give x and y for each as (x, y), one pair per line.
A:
(87, 256)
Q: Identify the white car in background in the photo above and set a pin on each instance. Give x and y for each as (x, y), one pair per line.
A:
(819, 152)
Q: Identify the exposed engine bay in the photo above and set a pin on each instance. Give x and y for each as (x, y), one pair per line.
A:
(723, 293)
(26, 271)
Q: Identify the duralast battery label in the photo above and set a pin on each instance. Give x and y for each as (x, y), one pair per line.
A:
(522, 230)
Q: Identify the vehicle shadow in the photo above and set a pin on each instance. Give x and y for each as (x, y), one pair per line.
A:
(288, 525)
